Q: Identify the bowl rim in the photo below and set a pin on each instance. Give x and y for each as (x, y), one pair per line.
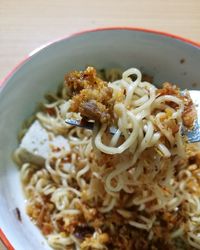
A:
(27, 57)
(5, 79)
(5, 241)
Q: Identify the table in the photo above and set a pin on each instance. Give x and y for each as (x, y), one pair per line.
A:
(26, 24)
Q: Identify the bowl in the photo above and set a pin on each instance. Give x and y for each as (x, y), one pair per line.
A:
(166, 57)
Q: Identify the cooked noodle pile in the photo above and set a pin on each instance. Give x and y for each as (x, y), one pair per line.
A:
(137, 189)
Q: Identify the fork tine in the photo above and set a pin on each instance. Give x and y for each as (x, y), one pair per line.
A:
(88, 125)
(80, 123)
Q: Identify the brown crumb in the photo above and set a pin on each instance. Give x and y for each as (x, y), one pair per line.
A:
(95, 242)
(147, 78)
(91, 96)
(18, 214)
(182, 60)
(189, 114)
(194, 84)
(50, 111)
(94, 110)
(168, 89)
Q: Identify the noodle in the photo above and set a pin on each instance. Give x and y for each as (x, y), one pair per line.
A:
(136, 189)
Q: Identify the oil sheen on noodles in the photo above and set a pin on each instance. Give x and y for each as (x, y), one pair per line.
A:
(132, 187)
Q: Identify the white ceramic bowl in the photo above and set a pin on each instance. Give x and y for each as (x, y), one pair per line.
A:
(166, 57)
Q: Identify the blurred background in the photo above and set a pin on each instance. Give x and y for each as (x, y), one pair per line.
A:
(27, 24)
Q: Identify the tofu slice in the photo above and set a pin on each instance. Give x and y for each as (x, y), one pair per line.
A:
(36, 145)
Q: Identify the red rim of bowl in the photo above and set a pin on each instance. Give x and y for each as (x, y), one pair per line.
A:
(5, 241)
(21, 63)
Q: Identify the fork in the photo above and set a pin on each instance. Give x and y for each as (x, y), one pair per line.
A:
(193, 135)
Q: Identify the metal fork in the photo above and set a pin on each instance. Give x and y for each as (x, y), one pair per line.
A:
(193, 134)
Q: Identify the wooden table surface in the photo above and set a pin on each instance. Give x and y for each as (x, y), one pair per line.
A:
(26, 24)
